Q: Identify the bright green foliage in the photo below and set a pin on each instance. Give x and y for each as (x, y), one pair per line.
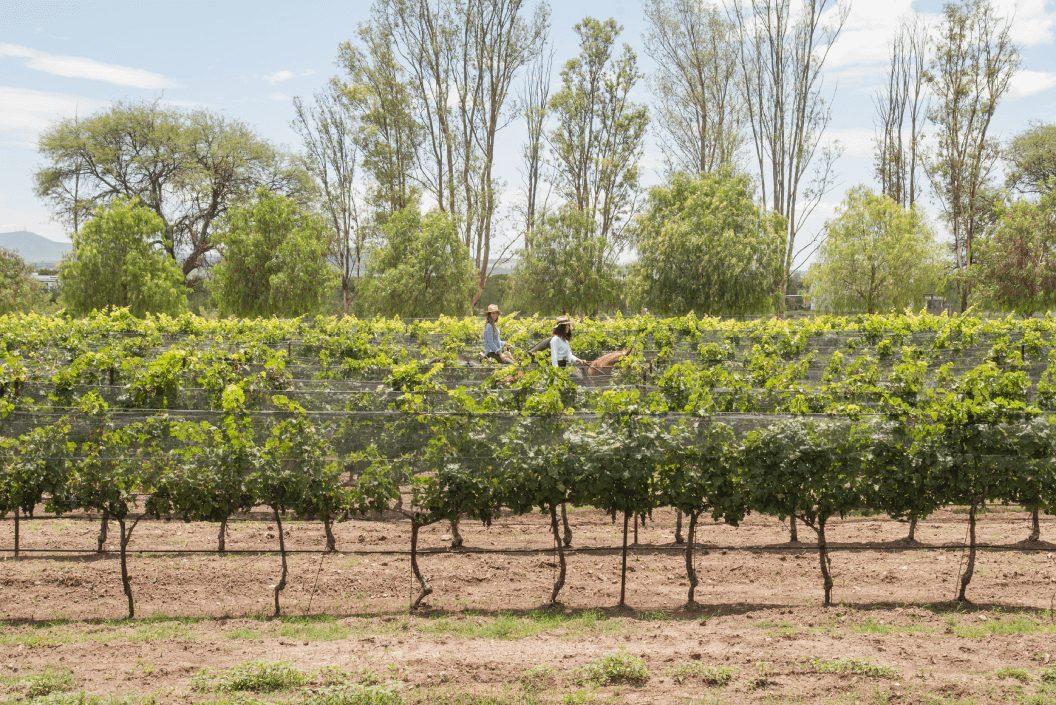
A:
(37, 464)
(617, 668)
(421, 267)
(1032, 155)
(255, 677)
(274, 260)
(703, 475)
(569, 268)
(1015, 264)
(901, 464)
(117, 261)
(18, 290)
(877, 256)
(704, 246)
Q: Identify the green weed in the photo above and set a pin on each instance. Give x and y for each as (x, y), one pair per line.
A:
(254, 677)
(354, 695)
(850, 666)
(617, 668)
(697, 671)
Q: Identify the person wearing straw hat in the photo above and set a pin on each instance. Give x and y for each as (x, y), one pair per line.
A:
(561, 354)
(494, 347)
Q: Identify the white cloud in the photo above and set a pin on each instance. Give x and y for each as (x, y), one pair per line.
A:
(1027, 82)
(81, 67)
(855, 141)
(1033, 21)
(25, 113)
(283, 75)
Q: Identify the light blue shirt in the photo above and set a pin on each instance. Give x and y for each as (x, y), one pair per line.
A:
(492, 342)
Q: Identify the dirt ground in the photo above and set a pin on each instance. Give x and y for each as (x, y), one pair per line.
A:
(760, 634)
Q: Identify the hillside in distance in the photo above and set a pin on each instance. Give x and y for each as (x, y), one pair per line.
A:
(33, 248)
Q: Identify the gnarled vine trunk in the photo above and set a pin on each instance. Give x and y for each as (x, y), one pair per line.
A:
(331, 540)
(281, 585)
(623, 564)
(679, 539)
(567, 527)
(425, 590)
(126, 584)
(793, 530)
(456, 535)
(16, 532)
(823, 559)
(911, 537)
(691, 572)
(221, 537)
(962, 593)
(559, 581)
(1035, 525)
(104, 526)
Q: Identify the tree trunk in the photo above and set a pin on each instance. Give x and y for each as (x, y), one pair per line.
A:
(623, 565)
(16, 532)
(104, 526)
(1035, 524)
(567, 527)
(456, 535)
(635, 541)
(691, 572)
(970, 568)
(331, 540)
(559, 582)
(125, 583)
(221, 537)
(793, 530)
(679, 539)
(912, 536)
(425, 589)
(823, 559)
(281, 585)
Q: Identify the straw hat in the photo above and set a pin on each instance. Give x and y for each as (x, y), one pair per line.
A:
(563, 320)
(492, 308)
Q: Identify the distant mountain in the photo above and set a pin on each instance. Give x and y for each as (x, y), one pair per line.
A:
(33, 248)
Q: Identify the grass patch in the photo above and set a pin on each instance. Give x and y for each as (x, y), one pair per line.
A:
(778, 629)
(254, 677)
(1048, 675)
(432, 697)
(515, 626)
(702, 673)
(38, 685)
(354, 695)
(617, 668)
(1016, 674)
(538, 677)
(1000, 626)
(851, 666)
(871, 626)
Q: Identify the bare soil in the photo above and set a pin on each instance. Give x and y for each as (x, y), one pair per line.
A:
(894, 635)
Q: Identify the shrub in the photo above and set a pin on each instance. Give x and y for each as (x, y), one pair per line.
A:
(617, 668)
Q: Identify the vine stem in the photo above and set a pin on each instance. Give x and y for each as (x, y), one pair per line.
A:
(16, 533)
(426, 591)
(559, 582)
(962, 593)
(281, 585)
(691, 572)
(623, 567)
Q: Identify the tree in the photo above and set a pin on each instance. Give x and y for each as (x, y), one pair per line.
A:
(387, 132)
(700, 116)
(462, 58)
(973, 63)
(704, 246)
(877, 256)
(18, 290)
(535, 100)
(116, 262)
(1032, 159)
(186, 167)
(570, 268)
(597, 140)
(781, 66)
(421, 268)
(901, 108)
(327, 128)
(273, 260)
(1015, 263)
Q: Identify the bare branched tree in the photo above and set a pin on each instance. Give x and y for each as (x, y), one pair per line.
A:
(535, 100)
(700, 119)
(326, 127)
(901, 107)
(781, 59)
(973, 63)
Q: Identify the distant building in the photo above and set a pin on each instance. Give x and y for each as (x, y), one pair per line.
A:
(50, 282)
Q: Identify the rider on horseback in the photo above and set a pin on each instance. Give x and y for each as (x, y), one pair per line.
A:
(494, 347)
(560, 350)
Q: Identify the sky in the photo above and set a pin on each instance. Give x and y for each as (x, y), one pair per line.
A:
(247, 59)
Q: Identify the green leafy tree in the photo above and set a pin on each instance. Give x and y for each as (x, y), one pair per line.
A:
(117, 262)
(1032, 158)
(569, 268)
(187, 167)
(877, 256)
(274, 260)
(1015, 264)
(809, 471)
(705, 246)
(18, 290)
(421, 268)
(704, 477)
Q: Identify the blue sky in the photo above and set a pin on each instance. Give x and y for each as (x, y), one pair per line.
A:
(247, 58)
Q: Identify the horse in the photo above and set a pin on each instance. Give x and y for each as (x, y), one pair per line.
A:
(603, 366)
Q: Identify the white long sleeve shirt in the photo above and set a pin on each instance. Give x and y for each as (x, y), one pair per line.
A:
(561, 350)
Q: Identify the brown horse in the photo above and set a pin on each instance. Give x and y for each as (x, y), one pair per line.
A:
(603, 366)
